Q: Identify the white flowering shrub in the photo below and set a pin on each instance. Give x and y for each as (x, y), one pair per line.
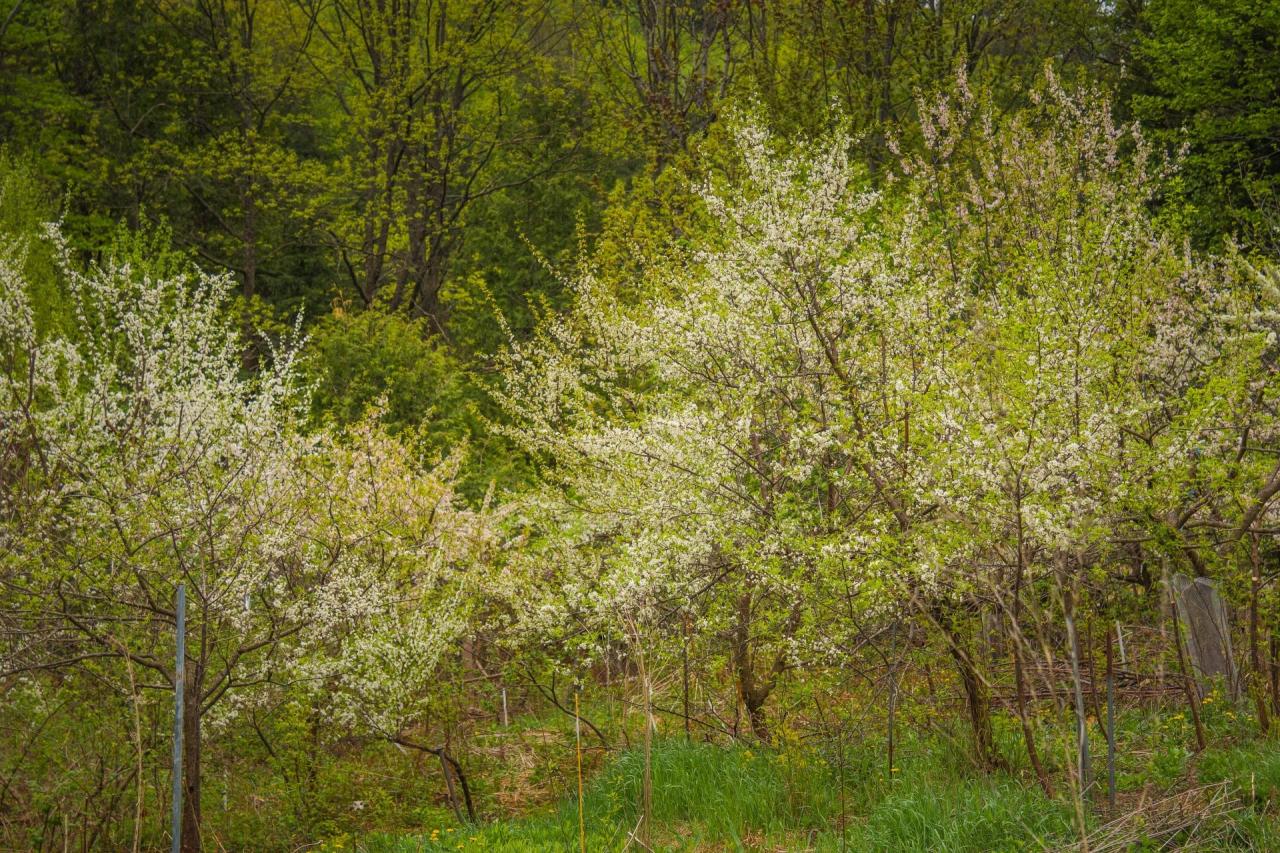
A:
(740, 443)
(140, 456)
(844, 409)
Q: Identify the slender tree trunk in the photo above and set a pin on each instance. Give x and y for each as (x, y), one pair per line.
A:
(450, 788)
(1257, 688)
(893, 713)
(1019, 673)
(456, 768)
(1188, 683)
(751, 690)
(1111, 725)
(248, 239)
(1275, 672)
(379, 214)
(977, 698)
(1092, 668)
(191, 714)
(645, 832)
(1073, 643)
(426, 297)
(249, 268)
(1028, 734)
(684, 679)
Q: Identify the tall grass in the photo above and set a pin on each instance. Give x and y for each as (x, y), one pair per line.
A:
(735, 798)
(842, 797)
(962, 815)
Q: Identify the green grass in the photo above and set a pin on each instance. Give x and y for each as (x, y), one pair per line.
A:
(702, 793)
(973, 814)
(1253, 768)
(727, 798)
(734, 798)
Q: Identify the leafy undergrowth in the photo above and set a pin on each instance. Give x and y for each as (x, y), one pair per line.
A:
(709, 797)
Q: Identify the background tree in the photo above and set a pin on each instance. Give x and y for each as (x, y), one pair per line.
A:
(1206, 75)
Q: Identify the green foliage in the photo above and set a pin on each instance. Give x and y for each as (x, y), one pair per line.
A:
(708, 795)
(26, 205)
(363, 359)
(359, 359)
(725, 793)
(703, 794)
(1253, 770)
(1208, 72)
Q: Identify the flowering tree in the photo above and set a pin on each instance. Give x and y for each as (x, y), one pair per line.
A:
(1203, 492)
(842, 408)
(408, 557)
(1044, 221)
(742, 438)
(143, 458)
(1104, 378)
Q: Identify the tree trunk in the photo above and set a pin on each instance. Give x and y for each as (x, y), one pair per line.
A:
(893, 709)
(1019, 672)
(1111, 726)
(1028, 734)
(977, 699)
(191, 713)
(1257, 688)
(751, 690)
(249, 268)
(684, 679)
(759, 721)
(1073, 643)
(430, 281)
(645, 829)
(1275, 673)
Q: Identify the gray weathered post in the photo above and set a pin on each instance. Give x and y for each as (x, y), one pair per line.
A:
(1207, 632)
(179, 680)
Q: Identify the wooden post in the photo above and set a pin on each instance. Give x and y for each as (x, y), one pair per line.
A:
(1093, 670)
(179, 681)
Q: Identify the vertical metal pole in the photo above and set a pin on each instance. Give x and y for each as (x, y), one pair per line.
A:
(179, 681)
